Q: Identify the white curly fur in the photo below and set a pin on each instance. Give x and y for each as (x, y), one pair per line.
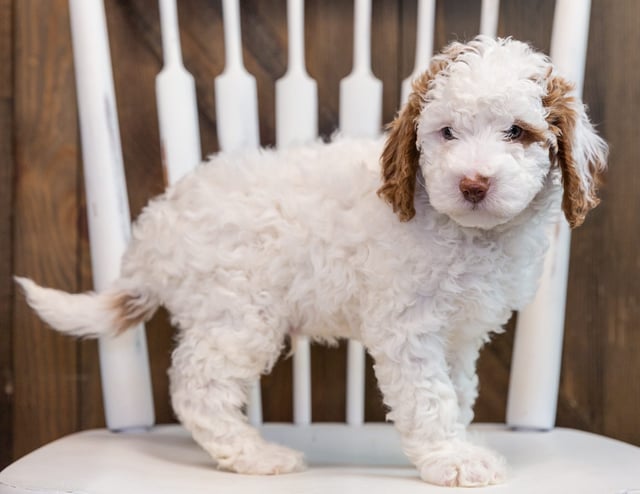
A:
(255, 245)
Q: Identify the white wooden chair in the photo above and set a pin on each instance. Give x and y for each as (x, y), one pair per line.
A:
(351, 457)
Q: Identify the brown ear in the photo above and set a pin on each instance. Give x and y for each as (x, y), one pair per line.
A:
(401, 156)
(400, 159)
(580, 153)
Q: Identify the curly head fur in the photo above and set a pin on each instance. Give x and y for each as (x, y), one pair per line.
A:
(480, 90)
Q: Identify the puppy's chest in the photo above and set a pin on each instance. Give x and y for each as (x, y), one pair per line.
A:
(486, 280)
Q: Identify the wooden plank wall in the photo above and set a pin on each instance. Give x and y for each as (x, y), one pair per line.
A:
(50, 384)
(6, 203)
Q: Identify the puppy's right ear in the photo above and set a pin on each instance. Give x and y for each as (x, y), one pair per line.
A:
(401, 156)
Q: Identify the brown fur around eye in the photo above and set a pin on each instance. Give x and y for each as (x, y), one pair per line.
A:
(531, 135)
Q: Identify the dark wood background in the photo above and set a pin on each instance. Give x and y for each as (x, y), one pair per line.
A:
(49, 385)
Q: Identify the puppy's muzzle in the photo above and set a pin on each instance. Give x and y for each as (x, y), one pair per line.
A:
(474, 189)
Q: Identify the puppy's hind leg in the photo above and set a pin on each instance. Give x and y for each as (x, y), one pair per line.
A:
(211, 371)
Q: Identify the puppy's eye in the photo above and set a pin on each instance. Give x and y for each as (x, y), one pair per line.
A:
(514, 133)
(447, 133)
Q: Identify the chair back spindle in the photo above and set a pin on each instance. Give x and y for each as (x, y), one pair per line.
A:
(176, 102)
(296, 92)
(489, 14)
(297, 123)
(424, 44)
(126, 381)
(236, 93)
(360, 116)
(361, 91)
(236, 97)
(537, 351)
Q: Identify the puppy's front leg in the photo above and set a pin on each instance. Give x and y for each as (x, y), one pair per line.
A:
(462, 355)
(413, 374)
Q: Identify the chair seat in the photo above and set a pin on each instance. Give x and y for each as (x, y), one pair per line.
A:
(166, 460)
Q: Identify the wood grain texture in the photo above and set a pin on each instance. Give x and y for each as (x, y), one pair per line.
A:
(601, 369)
(6, 237)
(56, 386)
(46, 218)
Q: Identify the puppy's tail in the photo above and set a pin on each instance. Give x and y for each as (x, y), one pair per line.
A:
(89, 314)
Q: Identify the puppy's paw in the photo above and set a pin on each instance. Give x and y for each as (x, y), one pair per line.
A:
(458, 463)
(264, 459)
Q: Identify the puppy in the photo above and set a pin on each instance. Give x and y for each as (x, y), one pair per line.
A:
(420, 245)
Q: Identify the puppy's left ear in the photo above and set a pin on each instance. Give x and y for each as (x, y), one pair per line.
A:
(580, 153)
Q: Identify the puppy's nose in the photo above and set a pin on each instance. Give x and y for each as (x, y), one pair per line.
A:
(474, 189)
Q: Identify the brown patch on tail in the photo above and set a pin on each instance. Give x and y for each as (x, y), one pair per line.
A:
(130, 310)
